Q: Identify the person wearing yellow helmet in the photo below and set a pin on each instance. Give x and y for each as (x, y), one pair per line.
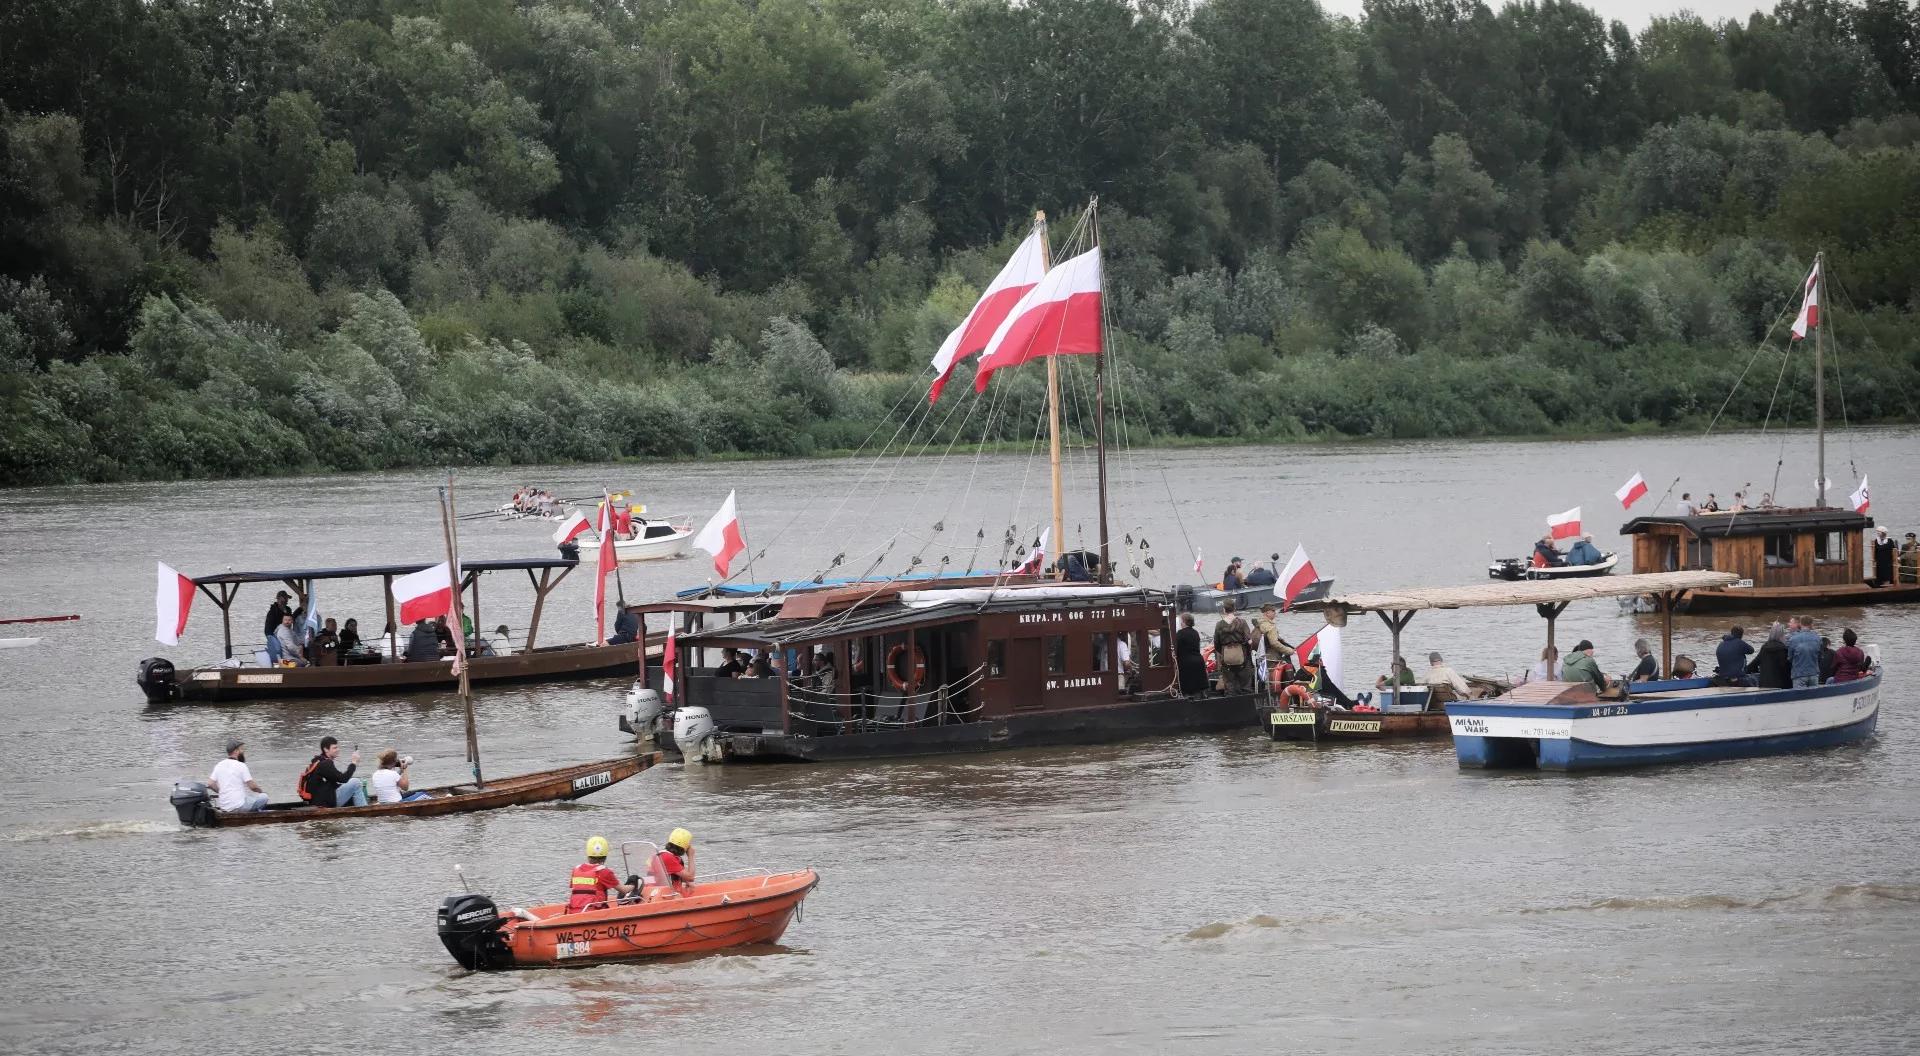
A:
(592, 881)
(673, 867)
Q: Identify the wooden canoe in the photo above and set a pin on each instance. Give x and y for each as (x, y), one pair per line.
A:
(546, 786)
(545, 664)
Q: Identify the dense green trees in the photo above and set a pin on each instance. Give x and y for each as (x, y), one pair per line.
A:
(260, 236)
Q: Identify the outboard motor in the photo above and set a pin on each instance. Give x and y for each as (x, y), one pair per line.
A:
(156, 679)
(643, 710)
(692, 731)
(193, 802)
(470, 930)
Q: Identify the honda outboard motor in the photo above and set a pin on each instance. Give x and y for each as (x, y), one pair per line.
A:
(470, 930)
(643, 710)
(692, 730)
(193, 802)
(156, 679)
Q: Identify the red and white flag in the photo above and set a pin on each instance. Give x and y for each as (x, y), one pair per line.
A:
(1325, 641)
(571, 527)
(1298, 576)
(171, 602)
(1565, 525)
(1197, 560)
(1036, 558)
(606, 560)
(1861, 501)
(1809, 318)
(722, 537)
(1021, 273)
(669, 660)
(1631, 491)
(1058, 317)
(424, 594)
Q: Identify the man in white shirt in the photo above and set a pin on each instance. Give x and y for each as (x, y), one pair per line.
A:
(234, 784)
(1439, 674)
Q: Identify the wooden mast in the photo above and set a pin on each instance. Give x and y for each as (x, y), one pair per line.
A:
(1100, 403)
(1053, 407)
(1820, 373)
(460, 631)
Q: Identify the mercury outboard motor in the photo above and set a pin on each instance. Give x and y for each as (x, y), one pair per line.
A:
(692, 729)
(156, 679)
(470, 930)
(193, 802)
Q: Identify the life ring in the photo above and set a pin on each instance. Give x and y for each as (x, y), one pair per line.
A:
(1297, 695)
(918, 660)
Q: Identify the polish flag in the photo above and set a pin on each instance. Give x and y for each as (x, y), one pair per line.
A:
(570, 528)
(1058, 317)
(669, 660)
(1022, 272)
(1565, 525)
(1035, 559)
(1298, 576)
(1197, 560)
(1809, 318)
(1631, 491)
(171, 601)
(1860, 499)
(722, 537)
(606, 560)
(1327, 641)
(425, 594)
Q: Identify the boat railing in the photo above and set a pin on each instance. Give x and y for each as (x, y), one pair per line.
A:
(863, 709)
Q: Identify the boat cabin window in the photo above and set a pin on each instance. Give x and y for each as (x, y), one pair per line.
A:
(1780, 551)
(657, 531)
(1056, 654)
(1699, 552)
(1829, 548)
(1156, 650)
(997, 659)
(1102, 651)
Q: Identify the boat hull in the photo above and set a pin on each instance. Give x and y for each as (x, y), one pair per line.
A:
(663, 548)
(1325, 724)
(221, 685)
(1694, 724)
(726, 914)
(1746, 599)
(1513, 569)
(1100, 724)
(547, 786)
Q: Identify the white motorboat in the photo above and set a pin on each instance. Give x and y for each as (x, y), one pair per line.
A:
(652, 540)
(1512, 568)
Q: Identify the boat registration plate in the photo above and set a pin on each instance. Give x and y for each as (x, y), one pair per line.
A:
(1293, 718)
(564, 950)
(604, 777)
(1354, 726)
(259, 680)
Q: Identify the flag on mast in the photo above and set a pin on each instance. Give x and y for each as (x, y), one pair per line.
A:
(571, 527)
(722, 537)
(669, 660)
(607, 560)
(1060, 316)
(1862, 501)
(424, 594)
(1298, 575)
(1565, 525)
(171, 602)
(1631, 491)
(1022, 272)
(1197, 560)
(1035, 559)
(1809, 318)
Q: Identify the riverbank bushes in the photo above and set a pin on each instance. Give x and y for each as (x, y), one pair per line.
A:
(241, 240)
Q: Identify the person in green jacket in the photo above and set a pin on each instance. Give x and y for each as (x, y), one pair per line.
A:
(1581, 667)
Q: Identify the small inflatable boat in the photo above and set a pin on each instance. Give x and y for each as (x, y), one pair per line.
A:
(741, 910)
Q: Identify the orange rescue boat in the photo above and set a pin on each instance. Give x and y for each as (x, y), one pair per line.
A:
(739, 910)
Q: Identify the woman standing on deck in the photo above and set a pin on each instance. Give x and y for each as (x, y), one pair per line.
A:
(1186, 653)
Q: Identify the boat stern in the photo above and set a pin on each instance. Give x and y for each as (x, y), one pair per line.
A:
(470, 928)
(1495, 735)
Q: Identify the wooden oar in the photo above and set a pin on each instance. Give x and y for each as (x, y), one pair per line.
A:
(41, 619)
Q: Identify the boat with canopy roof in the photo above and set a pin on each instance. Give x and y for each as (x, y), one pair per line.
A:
(246, 675)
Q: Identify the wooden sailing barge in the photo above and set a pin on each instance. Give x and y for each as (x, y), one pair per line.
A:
(241, 678)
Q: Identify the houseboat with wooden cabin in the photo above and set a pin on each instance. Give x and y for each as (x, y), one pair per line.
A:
(1784, 559)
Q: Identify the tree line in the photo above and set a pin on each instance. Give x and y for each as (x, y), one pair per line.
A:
(247, 237)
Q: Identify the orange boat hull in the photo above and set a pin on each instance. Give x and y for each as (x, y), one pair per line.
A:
(712, 916)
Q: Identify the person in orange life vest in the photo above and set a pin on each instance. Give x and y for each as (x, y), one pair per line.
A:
(673, 867)
(593, 882)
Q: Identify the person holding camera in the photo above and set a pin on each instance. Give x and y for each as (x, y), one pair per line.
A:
(391, 783)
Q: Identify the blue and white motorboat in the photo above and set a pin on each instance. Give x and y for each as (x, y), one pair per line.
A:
(1564, 726)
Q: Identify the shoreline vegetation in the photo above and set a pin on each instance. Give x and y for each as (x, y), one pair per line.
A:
(242, 239)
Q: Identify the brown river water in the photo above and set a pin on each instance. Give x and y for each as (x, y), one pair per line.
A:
(1212, 894)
